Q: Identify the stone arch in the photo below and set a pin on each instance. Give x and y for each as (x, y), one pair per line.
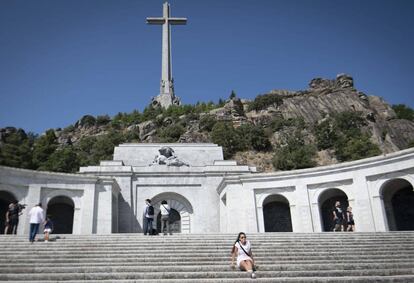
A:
(6, 198)
(61, 210)
(178, 203)
(276, 214)
(74, 196)
(326, 203)
(398, 199)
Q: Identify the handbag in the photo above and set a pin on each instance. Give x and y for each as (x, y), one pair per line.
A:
(169, 214)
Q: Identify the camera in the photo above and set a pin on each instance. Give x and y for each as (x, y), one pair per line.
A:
(21, 206)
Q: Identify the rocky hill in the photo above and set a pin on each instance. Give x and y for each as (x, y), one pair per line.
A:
(329, 122)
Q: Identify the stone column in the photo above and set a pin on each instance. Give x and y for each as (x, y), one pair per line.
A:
(88, 208)
(103, 208)
(33, 198)
(361, 205)
(306, 212)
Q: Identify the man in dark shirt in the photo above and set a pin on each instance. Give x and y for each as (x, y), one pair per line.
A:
(12, 218)
(338, 217)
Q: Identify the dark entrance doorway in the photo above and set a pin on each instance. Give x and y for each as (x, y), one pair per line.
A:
(5, 199)
(276, 214)
(326, 205)
(175, 221)
(398, 196)
(60, 209)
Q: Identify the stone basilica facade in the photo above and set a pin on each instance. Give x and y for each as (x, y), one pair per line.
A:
(208, 194)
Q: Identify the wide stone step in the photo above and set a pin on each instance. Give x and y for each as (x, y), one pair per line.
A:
(261, 262)
(163, 244)
(274, 254)
(343, 279)
(267, 236)
(199, 268)
(205, 250)
(198, 259)
(194, 274)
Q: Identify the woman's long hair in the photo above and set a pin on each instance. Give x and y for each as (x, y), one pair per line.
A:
(237, 240)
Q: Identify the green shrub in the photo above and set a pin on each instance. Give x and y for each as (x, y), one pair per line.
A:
(354, 148)
(253, 137)
(403, 112)
(103, 120)
(224, 134)
(103, 148)
(294, 155)
(88, 121)
(265, 100)
(207, 123)
(16, 150)
(84, 149)
(279, 123)
(325, 134)
(150, 113)
(44, 146)
(171, 133)
(349, 122)
(62, 160)
(68, 129)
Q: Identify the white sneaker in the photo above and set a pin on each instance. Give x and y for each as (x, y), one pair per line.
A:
(46, 241)
(253, 275)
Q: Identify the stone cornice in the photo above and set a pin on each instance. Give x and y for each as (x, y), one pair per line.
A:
(46, 176)
(357, 165)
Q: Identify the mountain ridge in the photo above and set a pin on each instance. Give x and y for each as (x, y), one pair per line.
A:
(327, 123)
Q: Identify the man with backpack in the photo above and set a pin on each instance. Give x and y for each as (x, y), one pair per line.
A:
(148, 216)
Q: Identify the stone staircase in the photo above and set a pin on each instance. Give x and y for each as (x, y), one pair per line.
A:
(282, 257)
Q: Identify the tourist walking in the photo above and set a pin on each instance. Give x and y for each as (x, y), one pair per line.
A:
(48, 228)
(242, 250)
(338, 217)
(165, 217)
(36, 217)
(350, 220)
(148, 216)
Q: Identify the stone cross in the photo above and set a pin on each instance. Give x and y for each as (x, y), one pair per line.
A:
(166, 97)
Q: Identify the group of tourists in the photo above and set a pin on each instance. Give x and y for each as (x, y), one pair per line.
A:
(149, 214)
(36, 215)
(343, 220)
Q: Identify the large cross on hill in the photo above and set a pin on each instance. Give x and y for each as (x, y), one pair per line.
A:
(166, 97)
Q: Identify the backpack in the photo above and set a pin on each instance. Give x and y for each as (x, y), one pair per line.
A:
(150, 210)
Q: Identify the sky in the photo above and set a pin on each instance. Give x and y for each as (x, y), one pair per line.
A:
(60, 60)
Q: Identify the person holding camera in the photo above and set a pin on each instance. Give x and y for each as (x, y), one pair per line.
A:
(12, 217)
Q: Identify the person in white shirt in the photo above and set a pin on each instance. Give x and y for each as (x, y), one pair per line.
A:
(242, 250)
(165, 217)
(36, 217)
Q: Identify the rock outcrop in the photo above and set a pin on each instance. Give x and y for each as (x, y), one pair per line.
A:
(322, 99)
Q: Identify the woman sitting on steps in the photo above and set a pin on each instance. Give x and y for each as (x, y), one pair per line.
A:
(242, 250)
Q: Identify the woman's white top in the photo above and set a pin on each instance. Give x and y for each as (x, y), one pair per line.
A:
(241, 255)
(164, 209)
